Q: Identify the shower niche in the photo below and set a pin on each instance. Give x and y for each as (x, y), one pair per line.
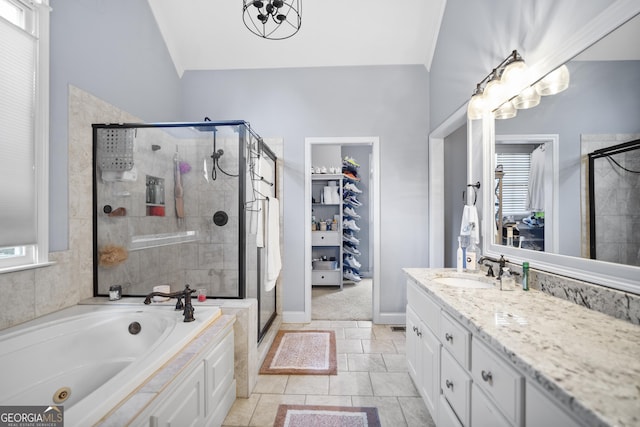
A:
(176, 203)
(155, 196)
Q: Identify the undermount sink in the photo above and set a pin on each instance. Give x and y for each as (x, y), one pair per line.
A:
(460, 282)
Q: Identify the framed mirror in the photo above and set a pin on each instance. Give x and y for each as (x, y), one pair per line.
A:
(599, 109)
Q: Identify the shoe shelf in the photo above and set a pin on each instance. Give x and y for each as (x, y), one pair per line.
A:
(350, 241)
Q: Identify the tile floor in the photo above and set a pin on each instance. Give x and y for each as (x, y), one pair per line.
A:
(372, 371)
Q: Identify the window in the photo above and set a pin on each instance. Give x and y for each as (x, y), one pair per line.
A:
(24, 111)
(515, 184)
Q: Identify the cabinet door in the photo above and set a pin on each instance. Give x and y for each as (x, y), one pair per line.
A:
(218, 372)
(412, 345)
(483, 413)
(429, 361)
(185, 408)
(541, 411)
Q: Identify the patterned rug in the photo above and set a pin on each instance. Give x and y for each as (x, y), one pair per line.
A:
(302, 353)
(326, 416)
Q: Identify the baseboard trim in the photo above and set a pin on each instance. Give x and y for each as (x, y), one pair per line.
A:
(294, 317)
(391, 319)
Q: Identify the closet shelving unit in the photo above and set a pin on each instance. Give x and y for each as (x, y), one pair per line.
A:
(326, 244)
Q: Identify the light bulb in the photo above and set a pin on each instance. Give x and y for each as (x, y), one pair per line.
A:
(528, 98)
(514, 76)
(554, 82)
(475, 109)
(506, 111)
(494, 92)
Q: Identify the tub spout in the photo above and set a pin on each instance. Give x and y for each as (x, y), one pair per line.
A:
(187, 306)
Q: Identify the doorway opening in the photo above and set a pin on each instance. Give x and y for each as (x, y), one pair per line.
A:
(342, 240)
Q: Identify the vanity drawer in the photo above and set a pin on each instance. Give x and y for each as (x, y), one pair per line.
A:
(483, 412)
(456, 338)
(424, 306)
(326, 238)
(456, 386)
(501, 382)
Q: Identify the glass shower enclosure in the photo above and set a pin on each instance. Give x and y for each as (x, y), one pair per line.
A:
(182, 203)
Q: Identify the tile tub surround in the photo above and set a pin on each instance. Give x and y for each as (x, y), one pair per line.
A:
(587, 360)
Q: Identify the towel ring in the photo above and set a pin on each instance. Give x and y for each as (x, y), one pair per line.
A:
(475, 187)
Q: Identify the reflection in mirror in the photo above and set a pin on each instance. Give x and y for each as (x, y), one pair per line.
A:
(603, 99)
(526, 174)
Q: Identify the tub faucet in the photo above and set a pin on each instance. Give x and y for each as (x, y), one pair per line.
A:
(187, 307)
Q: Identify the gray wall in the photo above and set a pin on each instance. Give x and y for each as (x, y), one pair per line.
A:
(455, 182)
(113, 50)
(475, 36)
(388, 101)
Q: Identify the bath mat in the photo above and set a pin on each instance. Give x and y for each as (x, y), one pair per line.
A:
(302, 353)
(343, 416)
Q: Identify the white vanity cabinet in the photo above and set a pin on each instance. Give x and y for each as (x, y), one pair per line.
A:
(462, 381)
(423, 347)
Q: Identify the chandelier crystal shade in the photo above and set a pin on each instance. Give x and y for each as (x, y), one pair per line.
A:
(272, 19)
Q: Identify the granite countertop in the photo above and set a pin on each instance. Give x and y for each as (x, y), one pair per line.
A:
(589, 361)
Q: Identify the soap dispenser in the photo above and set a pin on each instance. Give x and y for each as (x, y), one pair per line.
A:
(473, 255)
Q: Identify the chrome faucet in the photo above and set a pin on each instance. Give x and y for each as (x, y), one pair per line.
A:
(187, 307)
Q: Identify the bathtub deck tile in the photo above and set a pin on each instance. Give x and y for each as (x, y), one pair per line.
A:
(167, 373)
(127, 411)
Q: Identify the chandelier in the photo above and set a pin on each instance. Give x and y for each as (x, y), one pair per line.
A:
(272, 19)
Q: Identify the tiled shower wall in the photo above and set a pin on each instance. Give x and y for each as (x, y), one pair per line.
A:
(617, 201)
(212, 261)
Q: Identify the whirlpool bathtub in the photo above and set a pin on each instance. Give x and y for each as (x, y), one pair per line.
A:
(88, 358)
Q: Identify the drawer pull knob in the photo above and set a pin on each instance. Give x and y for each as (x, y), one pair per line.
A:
(449, 384)
(419, 333)
(448, 337)
(415, 329)
(486, 376)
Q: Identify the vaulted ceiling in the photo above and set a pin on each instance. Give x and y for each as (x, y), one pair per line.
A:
(210, 34)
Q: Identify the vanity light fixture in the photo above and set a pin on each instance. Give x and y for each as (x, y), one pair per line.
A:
(506, 81)
(503, 80)
(272, 19)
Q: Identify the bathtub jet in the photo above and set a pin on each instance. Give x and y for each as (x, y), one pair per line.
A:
(187, 306)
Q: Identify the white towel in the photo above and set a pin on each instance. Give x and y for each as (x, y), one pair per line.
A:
(274, 262)
(535, 196)
(258, 216)
(470, 226)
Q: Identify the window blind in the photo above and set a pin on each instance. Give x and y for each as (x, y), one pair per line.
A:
(17, 115)
(515, 184)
